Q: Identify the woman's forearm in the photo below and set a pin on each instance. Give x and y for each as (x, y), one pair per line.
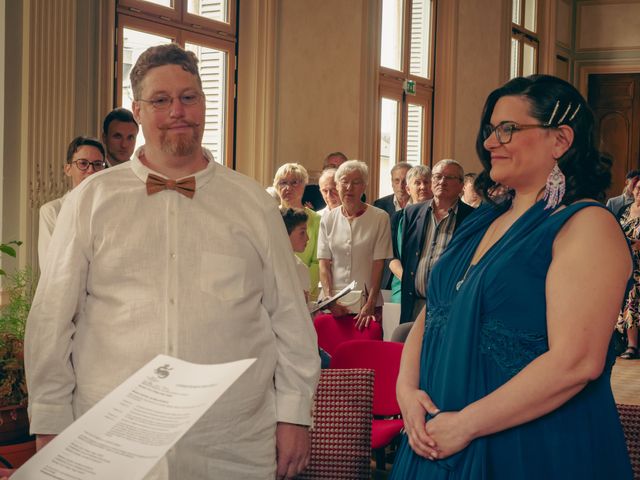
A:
(376, 280)
(326, 279)
(409, 375)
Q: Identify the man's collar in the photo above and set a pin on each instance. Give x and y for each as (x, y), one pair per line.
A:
(202, 176)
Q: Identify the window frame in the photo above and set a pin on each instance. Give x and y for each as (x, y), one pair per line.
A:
(523, 35)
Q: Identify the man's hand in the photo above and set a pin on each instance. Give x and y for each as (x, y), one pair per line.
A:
(42, 440)
(292, 449)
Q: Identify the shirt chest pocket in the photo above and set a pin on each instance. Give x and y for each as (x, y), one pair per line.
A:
(223, 276)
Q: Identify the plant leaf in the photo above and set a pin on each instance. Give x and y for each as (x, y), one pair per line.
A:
(8, 250)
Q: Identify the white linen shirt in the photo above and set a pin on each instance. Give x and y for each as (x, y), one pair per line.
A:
(353, 246)
(209, 280)
(47, 222)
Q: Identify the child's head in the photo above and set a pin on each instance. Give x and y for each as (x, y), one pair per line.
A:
(295, 219)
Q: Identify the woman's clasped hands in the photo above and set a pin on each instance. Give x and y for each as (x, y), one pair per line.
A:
(441, 436)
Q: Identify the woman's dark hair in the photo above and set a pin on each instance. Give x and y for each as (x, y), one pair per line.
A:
(293, 217)
(81, 141)
(554, 102)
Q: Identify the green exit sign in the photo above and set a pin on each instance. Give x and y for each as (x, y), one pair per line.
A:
(409, 87)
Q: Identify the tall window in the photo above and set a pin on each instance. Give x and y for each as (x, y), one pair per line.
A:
(205, 27)
(524, 38)
(406, 85)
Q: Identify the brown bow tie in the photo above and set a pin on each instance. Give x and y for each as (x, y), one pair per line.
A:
(186, 186)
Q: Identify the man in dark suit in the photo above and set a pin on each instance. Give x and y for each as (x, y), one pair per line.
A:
(392, 204)
(427, 230)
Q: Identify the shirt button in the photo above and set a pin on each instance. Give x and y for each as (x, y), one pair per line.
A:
(172, 301)
(412, 274)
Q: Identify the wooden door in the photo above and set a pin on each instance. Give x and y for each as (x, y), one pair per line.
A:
(615, 100)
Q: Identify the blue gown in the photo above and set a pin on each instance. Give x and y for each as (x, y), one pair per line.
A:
(480, 336)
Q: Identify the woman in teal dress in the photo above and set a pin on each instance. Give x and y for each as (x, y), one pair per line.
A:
(509, 375)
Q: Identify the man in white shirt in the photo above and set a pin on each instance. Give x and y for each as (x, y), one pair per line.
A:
(85, 156)
(119, 133)
(153, 257)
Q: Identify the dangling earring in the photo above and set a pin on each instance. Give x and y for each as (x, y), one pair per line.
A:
(555, 187)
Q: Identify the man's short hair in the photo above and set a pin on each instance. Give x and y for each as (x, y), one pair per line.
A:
(449, 161)
(293, 217)
(633, 173)
(470, 177)
(400, 165)
(328, 172)
(419, 171)
(325, 163)
(168, 54)
(119, 114)
(80, 141)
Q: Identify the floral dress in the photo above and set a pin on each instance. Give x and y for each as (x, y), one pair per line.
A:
(630, 314)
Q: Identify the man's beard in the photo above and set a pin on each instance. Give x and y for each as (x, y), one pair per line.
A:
(180, 145)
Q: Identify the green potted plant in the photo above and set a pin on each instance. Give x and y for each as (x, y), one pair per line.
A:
(15, 442)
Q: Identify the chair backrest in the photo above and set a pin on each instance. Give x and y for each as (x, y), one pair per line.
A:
(384, 359)
(333, 331)
(630, 419)
(341, 432)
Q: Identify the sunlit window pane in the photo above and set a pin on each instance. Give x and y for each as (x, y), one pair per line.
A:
(391, 42)
(213, 72)
(528, 60)
(420, 38)
(530, 13)
(515, 11)
(212, 9)
(388, 142)
(515, 58)
(415, 116)
(134, 43)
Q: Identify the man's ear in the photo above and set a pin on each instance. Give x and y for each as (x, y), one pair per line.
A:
(135, 108)
(563, 140)
(67, 169)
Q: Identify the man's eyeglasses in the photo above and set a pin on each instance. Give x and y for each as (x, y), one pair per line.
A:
(290, 184)
(438, 177)
(83, 165)
(163, 102)
(504, 130)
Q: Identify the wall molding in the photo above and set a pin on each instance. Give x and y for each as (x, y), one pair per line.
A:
(584, 68)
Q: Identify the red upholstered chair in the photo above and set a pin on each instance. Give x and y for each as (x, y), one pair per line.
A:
(384, 359)
(332, 331)
(341, 431)
(630, 419)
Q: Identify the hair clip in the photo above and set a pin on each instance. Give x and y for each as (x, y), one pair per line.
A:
(553, 114)
(565, 114)
(575, 113)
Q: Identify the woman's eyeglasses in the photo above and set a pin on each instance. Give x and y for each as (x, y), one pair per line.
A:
(504, 130)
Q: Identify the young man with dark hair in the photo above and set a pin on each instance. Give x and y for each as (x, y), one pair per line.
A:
(119, 132)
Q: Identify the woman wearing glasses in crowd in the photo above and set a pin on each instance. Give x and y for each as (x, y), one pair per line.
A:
(354, 242)
(289, 183)
(509, 376)
(85, 156)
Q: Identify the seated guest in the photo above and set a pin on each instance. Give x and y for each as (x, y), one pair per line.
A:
(296, 222)
(334, 160)
(328, 190)
(85, 156)
(419, 188)
(312, 196)
(469, 194)
(354, 241)
(289, 182)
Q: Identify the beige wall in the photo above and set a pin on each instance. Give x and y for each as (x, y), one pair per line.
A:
(318, 80)
(480, 68)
